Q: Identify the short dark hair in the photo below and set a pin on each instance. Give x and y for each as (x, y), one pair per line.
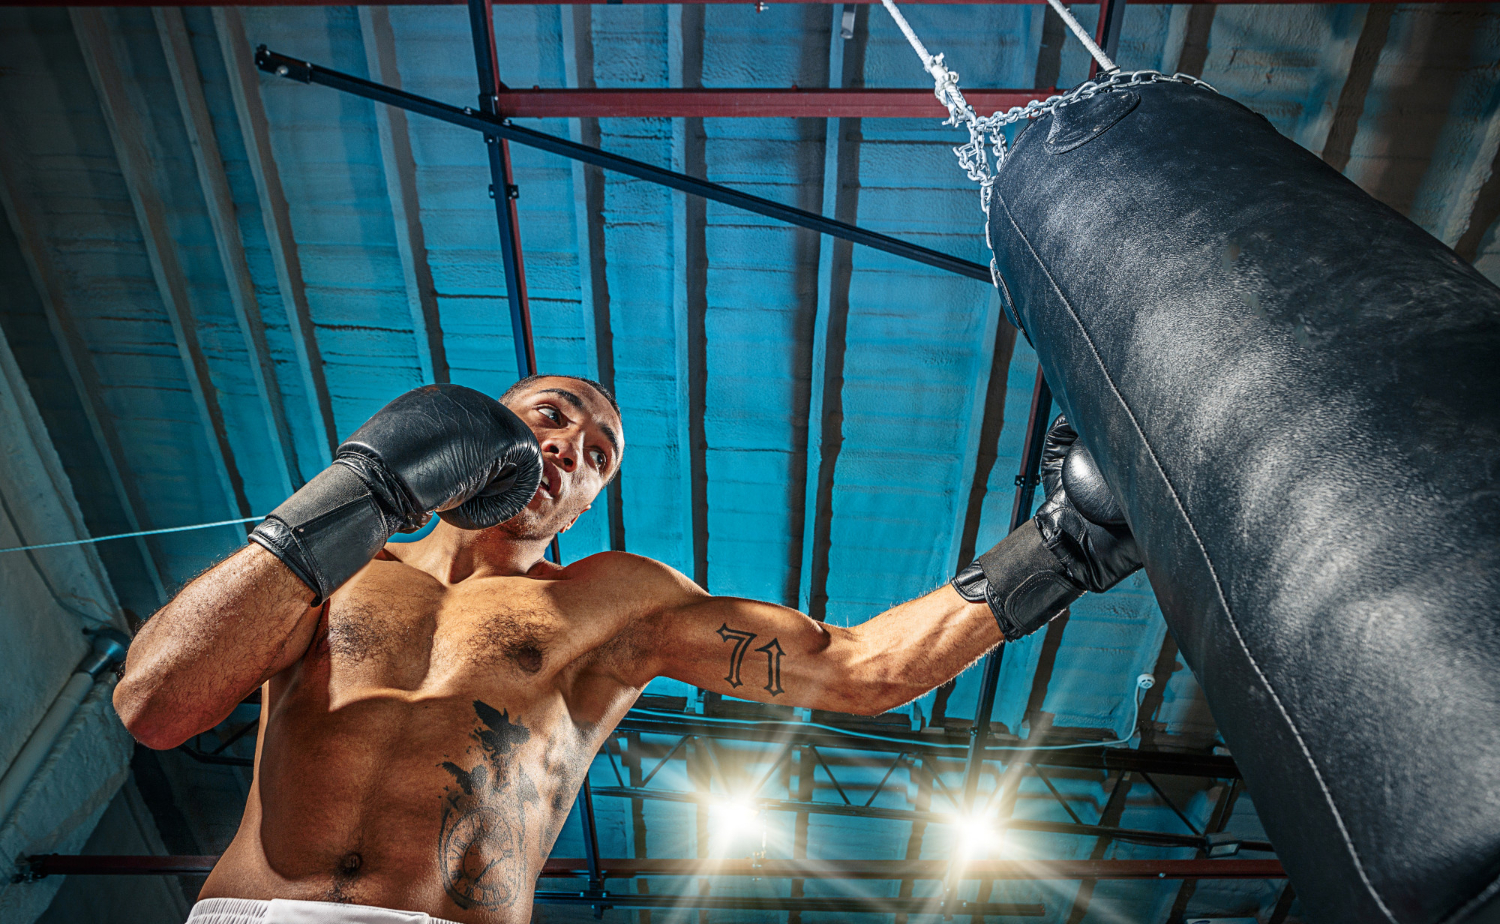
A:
(532, 379)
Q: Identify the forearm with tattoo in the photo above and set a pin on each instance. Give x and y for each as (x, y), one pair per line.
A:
(770, 653)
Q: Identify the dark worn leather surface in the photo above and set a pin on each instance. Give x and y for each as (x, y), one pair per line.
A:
(1295, 394)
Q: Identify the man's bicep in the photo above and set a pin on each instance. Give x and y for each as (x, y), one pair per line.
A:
(749, 649)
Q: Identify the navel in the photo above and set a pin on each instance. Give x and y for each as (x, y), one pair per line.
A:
(349, 864)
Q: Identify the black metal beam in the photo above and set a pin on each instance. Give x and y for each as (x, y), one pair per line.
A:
(590, 838)
(1283, 905)
(502, 186)
(935, 743)
(283, 66)
(1108, 831)
(1222, 811)
(1026, 481)
(1114, 807)
(504, 191)
(39, 866)
(757, 903)
(929, 745)
(1107, 35)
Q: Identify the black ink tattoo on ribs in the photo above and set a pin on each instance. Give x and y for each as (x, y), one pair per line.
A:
(742, 640)
(482, 847)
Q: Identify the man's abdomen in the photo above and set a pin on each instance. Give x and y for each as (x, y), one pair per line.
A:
(440, 804)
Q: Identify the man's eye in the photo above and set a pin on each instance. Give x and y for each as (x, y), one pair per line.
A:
(550, 413)
(598, 458)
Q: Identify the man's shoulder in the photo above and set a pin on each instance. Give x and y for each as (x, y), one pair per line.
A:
(622, 565)
(635, 582)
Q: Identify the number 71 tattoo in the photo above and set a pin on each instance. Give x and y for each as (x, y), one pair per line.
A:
(742, 640)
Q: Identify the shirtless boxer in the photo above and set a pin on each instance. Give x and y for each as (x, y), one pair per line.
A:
(429, 709)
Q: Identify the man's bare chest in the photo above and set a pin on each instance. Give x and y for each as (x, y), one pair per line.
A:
(395, 627)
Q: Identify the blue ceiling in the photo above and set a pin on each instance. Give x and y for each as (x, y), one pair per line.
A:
(847, 402)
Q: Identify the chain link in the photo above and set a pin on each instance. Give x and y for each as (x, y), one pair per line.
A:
(973, 157)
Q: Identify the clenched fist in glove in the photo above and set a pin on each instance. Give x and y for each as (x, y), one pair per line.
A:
(1078, 541)
(441, 448)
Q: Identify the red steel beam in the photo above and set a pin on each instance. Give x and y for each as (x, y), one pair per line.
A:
(791, 103)
(98, 865)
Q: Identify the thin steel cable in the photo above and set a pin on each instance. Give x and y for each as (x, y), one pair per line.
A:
(144, 532)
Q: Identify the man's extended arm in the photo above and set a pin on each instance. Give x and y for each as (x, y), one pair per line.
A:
(1078, 541)
(773, 654)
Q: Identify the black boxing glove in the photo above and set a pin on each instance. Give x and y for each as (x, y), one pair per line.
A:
(1077, 541)
(439, 447)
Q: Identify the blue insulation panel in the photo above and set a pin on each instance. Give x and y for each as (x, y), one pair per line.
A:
(714, 327)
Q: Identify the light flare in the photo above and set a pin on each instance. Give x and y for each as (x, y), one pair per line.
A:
(975, 838)
(736, 820)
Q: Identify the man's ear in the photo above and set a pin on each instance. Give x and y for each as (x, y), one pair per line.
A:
(575, 519)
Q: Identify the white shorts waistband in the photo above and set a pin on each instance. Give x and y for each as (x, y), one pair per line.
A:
(286, 911)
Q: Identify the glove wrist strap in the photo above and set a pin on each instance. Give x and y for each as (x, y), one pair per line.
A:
(326, 531)
(1022, 581)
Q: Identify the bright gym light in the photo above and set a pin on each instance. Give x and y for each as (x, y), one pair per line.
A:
(733, 819)
(974, 837)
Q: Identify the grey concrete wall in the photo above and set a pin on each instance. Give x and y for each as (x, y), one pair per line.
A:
(126, 828)
(47, 599)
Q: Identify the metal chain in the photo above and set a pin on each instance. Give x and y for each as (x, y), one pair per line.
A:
(973, 156)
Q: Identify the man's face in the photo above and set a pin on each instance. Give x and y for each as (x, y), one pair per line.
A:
(581, 438)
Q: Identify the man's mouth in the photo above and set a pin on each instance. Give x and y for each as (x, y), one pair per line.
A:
(549, 483)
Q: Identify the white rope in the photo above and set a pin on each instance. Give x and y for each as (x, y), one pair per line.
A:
(144, 532)
(945, 81)
(988, 131)
(911, 36)
(1105, 63)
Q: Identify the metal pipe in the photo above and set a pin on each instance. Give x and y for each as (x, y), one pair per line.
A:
(293, 69)
(756, 103)
(928, 745)
(590, 838)
(1016, 870)
(1101, 60)
(1107, 34)
(934, 743)
(1020, 512)
(1155, 838)
(107, 650)
(38, 866)
(502, 188)
(759, 903)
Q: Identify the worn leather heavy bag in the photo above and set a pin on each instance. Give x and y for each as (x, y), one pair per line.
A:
(1295, 394)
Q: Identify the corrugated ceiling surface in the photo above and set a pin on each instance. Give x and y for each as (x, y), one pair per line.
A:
(806, 420)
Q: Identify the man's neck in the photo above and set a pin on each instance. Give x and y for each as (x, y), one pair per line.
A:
(451, 554)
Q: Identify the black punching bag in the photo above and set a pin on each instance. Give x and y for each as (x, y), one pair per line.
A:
(1295, 394)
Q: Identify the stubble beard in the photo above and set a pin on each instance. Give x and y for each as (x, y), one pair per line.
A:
(527, 526)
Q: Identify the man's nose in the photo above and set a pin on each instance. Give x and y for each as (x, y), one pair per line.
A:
(565, 450)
